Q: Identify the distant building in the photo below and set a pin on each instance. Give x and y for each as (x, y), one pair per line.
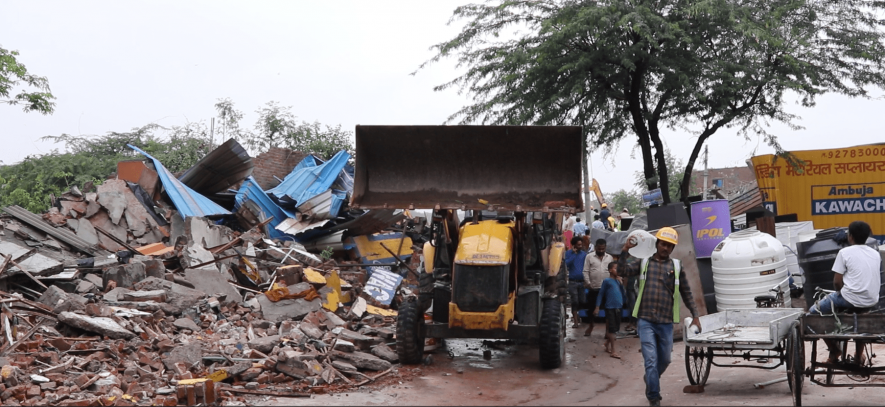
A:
(725, 183)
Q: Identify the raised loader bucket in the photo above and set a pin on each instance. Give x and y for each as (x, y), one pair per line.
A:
(519, 168)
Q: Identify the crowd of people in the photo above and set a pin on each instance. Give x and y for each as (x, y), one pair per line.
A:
(649, 291)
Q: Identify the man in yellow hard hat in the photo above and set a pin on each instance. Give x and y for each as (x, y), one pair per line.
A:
(661, 284)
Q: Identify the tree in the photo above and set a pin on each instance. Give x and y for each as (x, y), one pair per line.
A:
(674, 189)
(30, 182)
(12, 74)
(639, 66)
(277, 127)
(622, 198)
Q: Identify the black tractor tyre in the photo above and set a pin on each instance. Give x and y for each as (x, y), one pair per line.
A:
(562, 283)
(410, 332)
(425, 290)
(551, 341)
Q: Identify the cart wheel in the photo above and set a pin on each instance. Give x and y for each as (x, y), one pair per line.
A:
(795, 364)
(697, 364)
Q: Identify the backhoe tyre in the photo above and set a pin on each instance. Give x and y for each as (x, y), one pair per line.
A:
(425, 290)
(551, 339)
(410, 332)
(562, 281)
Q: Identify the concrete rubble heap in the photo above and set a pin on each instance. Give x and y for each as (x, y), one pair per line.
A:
(106, 300)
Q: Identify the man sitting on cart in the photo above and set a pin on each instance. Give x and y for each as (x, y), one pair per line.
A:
(856, 280)
(661, 284)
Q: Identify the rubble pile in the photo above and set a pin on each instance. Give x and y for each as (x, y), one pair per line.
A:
(112, 297)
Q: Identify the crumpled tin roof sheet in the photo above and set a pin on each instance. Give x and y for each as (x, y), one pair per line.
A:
(251, 191)
(219, 170)
(305, 182)
(186, 200)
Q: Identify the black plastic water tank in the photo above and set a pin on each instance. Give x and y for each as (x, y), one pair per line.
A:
(816, 257)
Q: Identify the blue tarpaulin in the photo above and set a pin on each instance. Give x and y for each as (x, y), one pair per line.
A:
(251, 191)
(186, 200)
(307, 181)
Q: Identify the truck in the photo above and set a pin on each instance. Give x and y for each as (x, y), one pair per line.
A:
(500, 272)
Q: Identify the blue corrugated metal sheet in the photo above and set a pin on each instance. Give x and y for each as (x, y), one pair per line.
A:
(186, 200)
(251, 191)
(309, 181)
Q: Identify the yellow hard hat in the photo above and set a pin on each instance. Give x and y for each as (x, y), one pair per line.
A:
(668, 235)
(605, 205)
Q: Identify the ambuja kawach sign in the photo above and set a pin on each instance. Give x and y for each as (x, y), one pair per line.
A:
(710, 224)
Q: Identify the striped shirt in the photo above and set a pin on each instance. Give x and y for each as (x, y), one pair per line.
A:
(656, 304)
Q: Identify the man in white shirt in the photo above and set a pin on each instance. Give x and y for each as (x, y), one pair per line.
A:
(580, 228)
(857, 279)
(595, 270)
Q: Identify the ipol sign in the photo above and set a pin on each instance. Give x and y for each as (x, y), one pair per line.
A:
(710, 224)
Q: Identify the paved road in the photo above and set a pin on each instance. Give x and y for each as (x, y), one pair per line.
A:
(589, 377)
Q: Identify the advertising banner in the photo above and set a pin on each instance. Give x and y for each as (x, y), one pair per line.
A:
(831, 188)
(710, 224)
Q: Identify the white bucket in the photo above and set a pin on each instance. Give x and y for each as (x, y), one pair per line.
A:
(745, 265)
(645, 244)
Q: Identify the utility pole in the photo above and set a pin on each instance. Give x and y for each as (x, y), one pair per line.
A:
(212, 134)
(706, 156)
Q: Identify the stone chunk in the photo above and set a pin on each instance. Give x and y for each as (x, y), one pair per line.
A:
(100, 325)
(125, 275)
(186, 323)
(344, 346)
(61, 301)
(343, 366)
(362, 360)
(310, 329)
(266, 344)
(212, 282)
(152, 295)
(361, 341)
(178, 297)
(189, 355)
(384, 352)
(287, 309)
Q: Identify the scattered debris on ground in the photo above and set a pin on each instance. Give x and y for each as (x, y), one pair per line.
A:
(113, 297)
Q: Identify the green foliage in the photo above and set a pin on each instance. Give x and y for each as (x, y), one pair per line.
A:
(277, 127)
(633, 68)
(677, 173)
(12, 74)
(30, 182)
(622, 198)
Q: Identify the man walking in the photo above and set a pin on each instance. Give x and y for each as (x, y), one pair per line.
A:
(574, 262)
(595, 270)
(661, 284)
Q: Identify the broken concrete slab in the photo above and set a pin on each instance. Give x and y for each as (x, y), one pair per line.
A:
(86, 231)
(152, 295)
(103, 221)
(178, 297)
(116, 294)
(195, 255)
(125, 275)
(201, 233)
(344, 346)
(311, 330)
(186, 323)
(190, 355)
(343, 366)
(61, 301)
(212, 282)
(265, 344)
(100, 325)
(287, 309)
(37, 264)
(362, 360)
(384, 352)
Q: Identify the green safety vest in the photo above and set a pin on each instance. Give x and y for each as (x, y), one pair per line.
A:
(644, 266)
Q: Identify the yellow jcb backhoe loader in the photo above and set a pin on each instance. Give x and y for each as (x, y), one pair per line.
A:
(498, 274)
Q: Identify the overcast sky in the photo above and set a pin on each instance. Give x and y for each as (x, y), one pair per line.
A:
(114, 66)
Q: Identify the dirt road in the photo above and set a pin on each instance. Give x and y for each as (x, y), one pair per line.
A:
(589, 377)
